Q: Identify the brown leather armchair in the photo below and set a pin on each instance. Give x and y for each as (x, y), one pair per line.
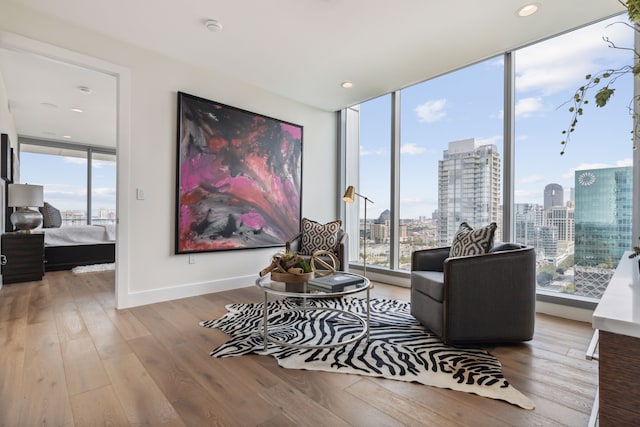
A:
(478, 298)
(341, 250)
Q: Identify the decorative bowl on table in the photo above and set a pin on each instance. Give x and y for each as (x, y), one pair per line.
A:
(291, 269)
(293, 282)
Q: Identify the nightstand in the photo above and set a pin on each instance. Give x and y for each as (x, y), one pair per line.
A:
(25, 257)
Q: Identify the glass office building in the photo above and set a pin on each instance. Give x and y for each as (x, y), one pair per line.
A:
(603, 212)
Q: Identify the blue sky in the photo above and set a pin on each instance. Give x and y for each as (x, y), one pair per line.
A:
(469, 104)
(65, 180)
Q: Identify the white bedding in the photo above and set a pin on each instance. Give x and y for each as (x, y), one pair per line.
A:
(69, 235)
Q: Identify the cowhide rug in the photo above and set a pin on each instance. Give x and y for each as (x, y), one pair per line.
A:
(399, 347)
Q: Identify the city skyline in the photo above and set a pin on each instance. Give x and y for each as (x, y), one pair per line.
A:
(456, 107)
(65, 180)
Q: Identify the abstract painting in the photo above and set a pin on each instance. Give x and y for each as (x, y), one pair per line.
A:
(238, 178)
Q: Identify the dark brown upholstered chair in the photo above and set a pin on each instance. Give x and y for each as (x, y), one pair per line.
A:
(341, 251)
(476, 299)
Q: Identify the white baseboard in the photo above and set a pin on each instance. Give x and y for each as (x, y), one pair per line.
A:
(567, 312)
(152, 296)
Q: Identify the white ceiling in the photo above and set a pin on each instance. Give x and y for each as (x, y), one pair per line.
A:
(298, 49)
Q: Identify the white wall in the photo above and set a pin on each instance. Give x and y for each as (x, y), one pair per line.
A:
(148, 269)
(6, 118)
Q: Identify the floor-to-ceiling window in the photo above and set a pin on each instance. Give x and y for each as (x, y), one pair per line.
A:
(375, 155)
(103, 188)
(450, 156)
(575, 208)
(76, 179)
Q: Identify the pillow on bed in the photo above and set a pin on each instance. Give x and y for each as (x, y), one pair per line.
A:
(51, 217)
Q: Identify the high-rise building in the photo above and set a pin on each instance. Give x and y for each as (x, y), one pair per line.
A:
(528, 217)
(547, 241)
(603, 212)
(563, 218)
(553, 196)
(468, 187)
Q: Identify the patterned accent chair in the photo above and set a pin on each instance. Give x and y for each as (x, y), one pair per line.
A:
(328, 237)
(484, 298)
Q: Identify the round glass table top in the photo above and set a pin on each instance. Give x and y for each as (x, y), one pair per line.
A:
(343, 284)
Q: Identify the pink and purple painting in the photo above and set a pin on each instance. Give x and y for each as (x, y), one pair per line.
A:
(239, 178)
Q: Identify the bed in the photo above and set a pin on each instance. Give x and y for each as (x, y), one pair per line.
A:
(75, 245)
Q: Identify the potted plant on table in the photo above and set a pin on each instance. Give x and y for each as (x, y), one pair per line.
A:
(290, 268)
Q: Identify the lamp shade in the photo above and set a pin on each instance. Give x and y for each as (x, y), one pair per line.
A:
(348, 195)
(25, 195)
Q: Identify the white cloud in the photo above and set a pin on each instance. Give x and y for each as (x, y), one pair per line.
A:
(102, 164)
(496, 139)
(378, 152)
(561, 63)
(103, 191)
(76, 160)
(55, 191)
(617, 164)
(527, 106)
(525, 196)
(431, 111)
(533, 179)
(413, 200)
(412, 149)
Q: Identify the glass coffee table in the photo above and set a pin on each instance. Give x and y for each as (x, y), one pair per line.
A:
(303, 293)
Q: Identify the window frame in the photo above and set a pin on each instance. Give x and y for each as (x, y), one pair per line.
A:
(400, 277)
(88, 150)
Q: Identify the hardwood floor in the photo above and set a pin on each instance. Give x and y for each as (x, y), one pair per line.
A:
(68, 358)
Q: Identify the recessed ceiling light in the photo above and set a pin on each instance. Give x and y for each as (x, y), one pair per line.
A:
(85, 89)
(346, 85)
(529, 9)
(48, 105)
(66, 136)
(213, 25)
(77, 110)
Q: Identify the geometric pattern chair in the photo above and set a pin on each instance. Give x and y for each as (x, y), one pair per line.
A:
(328, 237)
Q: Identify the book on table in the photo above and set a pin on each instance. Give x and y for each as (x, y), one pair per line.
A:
(335, 282)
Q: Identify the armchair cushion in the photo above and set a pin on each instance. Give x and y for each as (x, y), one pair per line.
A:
(430, 283)
(468, 241)
(316, 236)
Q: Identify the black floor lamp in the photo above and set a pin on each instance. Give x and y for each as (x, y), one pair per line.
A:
(348, 197)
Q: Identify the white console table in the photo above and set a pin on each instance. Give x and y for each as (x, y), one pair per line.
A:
(617, 318)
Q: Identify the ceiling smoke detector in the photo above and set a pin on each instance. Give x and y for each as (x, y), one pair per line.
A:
(213, 25)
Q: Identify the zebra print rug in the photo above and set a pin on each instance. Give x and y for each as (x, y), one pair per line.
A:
(399, 347)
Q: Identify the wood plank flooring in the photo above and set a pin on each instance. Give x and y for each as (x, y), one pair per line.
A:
(69, 358)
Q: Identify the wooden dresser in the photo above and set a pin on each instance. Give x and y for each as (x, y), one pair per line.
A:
(617, 318)
(25, 257)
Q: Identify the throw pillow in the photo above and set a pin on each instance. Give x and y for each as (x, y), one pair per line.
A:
(319, 237)
(468, 241)
(51, 217)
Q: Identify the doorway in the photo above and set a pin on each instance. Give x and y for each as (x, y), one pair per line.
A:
(72, 106)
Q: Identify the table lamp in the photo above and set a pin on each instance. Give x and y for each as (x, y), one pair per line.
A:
(22, 197)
